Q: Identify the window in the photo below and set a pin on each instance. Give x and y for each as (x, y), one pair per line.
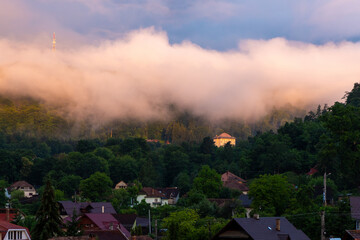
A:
(12, 235)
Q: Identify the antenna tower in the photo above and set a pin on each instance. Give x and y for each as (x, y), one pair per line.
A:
(54, 43)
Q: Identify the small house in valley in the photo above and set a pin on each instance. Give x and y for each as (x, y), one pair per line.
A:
(121, 185)
(24, 186)
(152, 197)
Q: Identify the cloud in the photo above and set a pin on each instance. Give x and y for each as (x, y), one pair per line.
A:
(209, 23)
(141, 73)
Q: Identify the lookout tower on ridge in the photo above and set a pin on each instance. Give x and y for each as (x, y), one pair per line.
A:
(54, 43)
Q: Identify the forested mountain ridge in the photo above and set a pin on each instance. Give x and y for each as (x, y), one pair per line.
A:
(30, 118)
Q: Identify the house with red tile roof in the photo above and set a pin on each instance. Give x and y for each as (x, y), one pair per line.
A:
(152, 197)
(8, 214)
(234, 182)
(24, 186)
(11, 231)
(223, 139)
(352, 235)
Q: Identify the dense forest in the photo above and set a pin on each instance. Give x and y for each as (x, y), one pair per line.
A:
(273, 154)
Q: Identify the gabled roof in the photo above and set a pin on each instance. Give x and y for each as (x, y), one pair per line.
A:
(230, 176)
(169, 192)
(107, 222)
(355, 234)
(90, 207)
(5, 226)
(232, 181)
(151, 192)
(224, 135)
(355, 207)
(21, 184)
(236, 186)
(264, 228)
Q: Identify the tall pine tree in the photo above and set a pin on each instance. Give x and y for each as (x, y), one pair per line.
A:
(48, 220)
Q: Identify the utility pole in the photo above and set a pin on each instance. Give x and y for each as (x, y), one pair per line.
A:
(156, 230)
(149, 222)
(323, 229)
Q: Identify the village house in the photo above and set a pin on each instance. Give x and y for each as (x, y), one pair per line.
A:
(265, 228)
(223, 139)
(9, 231)
(234, 182)
(121, 185)
(102, 222)
(172, 194)
(152, 197)
(67, 208)
(24, 186)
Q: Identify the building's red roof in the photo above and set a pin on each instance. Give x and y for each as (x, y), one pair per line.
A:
(12, 214)
(228, 176)
(21, 184)
(5, 226)
(232, 181)
(355, 234)
(106, 221)
(151, 192)
(224, 135)
(312, 171)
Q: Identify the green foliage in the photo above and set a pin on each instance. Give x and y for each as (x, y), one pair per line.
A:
(136, 231)
(28, 221)
(48, 220)
(208, 182)
(187, 224)
(97, 187)
(121, 199)
(17, 194)
(271, 194)
(123, 168)
(142, 208)
(73, 227)
(69, 184)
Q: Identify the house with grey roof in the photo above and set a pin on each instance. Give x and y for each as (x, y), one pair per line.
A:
(67, 208)
(264, 228)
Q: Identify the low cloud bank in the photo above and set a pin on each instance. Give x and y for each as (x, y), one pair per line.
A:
(139, 75)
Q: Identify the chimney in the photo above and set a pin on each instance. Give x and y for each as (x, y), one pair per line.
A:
(256, 216)
(277, 224)
(102, 209)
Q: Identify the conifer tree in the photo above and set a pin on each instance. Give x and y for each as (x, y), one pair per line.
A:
(73, 226)
(48, 220)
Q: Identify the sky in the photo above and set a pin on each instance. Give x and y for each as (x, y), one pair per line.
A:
(229, 58)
